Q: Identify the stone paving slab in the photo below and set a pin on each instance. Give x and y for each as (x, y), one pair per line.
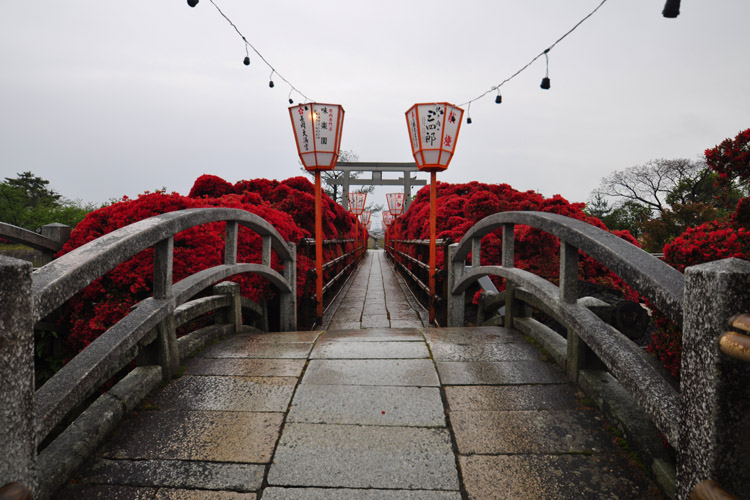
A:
(372, 335)
(396, 372)
(364, 457)
(498, 398)
(214, 436)
(167, 494)
(559, 477)
(240, 367)
(406, 323)
(347, 325)
(258, 350)
(471, 335)
(277, 337)
(95, 492)
(175, 474)
(368, 405)
(515, 432)
(369, 350)
(498, 373)
(226, 393)
(505, 351)
(350, 494)
(375, 321)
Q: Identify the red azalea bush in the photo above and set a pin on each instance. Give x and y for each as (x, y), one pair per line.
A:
(710, 241)
(460, 206)
(287, 205)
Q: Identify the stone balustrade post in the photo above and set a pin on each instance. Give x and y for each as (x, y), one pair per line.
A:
(17, 434)
(714, 441)
(163, 350)
(455, 302)
(509, 241)
(57, 232)
(288, 301)
(233, 314)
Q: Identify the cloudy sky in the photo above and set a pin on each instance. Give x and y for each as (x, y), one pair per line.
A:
(108, 98)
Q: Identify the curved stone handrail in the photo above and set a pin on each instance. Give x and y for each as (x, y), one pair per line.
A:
(59, 280)
(115, 348)
(624, 360)
(660, 283)
(29, 238)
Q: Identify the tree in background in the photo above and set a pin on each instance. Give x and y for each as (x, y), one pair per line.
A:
(731, 162)
(27, 202)
(660, 199)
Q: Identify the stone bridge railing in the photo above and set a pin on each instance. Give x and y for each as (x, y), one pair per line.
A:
(39, 449)
(706, 419)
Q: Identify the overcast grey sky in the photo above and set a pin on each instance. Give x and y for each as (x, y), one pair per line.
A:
(108, 98)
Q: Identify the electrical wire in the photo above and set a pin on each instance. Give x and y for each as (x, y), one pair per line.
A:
(542, 53)
(248, 44)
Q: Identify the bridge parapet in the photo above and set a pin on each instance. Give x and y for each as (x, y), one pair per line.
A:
(146, 334)
(707, 418)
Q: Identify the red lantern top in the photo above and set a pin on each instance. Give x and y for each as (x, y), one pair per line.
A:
(357, 202)
(433, 129)
(395, 203)
(317, 130)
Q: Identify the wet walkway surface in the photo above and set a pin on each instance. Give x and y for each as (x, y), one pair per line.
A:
(365, 413)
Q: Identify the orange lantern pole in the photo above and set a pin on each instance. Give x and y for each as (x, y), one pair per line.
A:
(318, 246)
(433, 130)
(317, 132)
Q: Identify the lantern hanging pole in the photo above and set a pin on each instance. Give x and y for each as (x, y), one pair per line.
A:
(318, 247)
(433, 229)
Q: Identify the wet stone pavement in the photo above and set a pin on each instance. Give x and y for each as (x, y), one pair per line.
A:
(367, 413)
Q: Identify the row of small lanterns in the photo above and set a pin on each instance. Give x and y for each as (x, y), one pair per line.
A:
(433, 131)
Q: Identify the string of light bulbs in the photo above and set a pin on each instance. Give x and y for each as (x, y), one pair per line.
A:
(545, 81)
(246, 60)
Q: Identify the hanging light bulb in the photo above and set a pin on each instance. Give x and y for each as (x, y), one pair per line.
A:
(270, 79)
(192, 3)
(468, 115)
(545, 81)
(498, 98)
(246, 61)
(671, 9)
(291, 101)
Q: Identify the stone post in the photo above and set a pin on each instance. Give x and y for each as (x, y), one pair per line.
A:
(58, 232)
(714, 440)
(288, 301)
(163, 350)
(18, 460)
(508, 256)
(455, 302)
(345, 189)
(233, 314)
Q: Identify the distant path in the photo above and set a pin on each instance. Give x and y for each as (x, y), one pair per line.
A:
(374, 299)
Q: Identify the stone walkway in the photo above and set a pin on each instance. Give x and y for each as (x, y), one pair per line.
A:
(365, 413)
(373, 299)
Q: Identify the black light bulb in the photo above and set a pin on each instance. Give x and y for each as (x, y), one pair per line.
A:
(246, 61)
(468, 120)
(545, 83)
(671, 9)
(192, 3)
(291, 101)
(270, 83)
(498, 99)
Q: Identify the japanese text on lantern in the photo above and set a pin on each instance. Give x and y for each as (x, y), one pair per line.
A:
(433, 125)
(304, 139)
